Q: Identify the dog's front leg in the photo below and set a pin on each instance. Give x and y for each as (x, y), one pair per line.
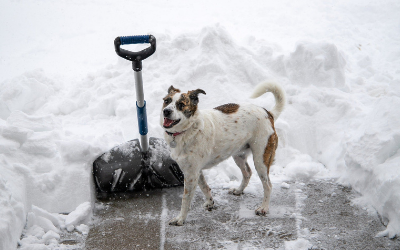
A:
(188, 193)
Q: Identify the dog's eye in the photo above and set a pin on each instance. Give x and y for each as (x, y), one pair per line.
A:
(180, 105)
(167, 101)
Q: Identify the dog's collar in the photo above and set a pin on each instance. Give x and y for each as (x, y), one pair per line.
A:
(174, 134)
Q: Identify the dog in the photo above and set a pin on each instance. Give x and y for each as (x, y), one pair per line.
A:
(201, 139)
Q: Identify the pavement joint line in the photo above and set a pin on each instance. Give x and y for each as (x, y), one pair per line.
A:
(163, 220)
(297, 211)
(299, 198)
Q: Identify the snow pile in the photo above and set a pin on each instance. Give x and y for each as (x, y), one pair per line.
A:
(81, 214)
(341, 118)
(13, 207)
(372, 159)
(43, 229)
(43, 165)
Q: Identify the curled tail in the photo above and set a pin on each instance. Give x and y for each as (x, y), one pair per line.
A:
(279, 94)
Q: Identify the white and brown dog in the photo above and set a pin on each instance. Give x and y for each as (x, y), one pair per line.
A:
(202, 139)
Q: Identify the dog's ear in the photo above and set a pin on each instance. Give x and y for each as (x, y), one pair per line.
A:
(172, 89)
(193, 95)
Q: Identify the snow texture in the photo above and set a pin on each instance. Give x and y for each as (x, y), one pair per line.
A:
(65, 96)
(299, 244)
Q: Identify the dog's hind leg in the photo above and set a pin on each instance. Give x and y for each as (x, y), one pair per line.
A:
(263, 158)
(209, 204)
(241, 161)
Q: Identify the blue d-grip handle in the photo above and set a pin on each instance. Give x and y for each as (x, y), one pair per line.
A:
(135, 57)
(142, 119)
(134, 39)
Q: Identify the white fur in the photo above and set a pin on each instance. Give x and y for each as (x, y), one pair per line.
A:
(211, 136)
(278, 92)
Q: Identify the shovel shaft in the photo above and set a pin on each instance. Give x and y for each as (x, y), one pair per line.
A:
(141, 111)
(139, 88)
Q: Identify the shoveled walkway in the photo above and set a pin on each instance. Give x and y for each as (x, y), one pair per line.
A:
(319, 215)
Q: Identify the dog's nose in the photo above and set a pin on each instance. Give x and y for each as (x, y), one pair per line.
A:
(167, 112)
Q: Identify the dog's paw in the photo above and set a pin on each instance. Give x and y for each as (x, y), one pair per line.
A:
(235, 191)
(209, 205)
(177, 221)
(262, 211)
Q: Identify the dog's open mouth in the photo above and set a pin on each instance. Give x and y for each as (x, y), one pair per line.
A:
(168, 123)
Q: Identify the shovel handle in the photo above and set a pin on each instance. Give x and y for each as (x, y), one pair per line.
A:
(134, 39)
(135, 57)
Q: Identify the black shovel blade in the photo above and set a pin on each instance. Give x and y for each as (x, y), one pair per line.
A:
(126, 169)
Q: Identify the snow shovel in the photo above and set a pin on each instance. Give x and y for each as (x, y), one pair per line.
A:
(136, 165)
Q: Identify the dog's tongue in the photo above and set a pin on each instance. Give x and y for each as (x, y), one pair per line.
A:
(168, 122)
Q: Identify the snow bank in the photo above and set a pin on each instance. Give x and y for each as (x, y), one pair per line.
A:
(348, 126)
(13, 206)
(43, 165)
(372, 161)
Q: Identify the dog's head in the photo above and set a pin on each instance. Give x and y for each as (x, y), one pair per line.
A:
(178, 108)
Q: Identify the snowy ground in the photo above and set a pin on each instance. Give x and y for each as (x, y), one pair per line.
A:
(65, 96)
(313, 215)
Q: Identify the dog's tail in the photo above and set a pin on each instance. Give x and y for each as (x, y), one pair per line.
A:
(279, 94)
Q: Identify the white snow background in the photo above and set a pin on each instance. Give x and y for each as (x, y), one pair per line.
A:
(66, 97)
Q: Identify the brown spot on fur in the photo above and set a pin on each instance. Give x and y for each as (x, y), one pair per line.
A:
(228, 108)
(270, 117)
(172, 89)
(188, 102)
(184, 104)
(171, 92)
(272, 145)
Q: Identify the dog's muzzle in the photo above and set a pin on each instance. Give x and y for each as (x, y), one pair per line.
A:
(168, 123)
